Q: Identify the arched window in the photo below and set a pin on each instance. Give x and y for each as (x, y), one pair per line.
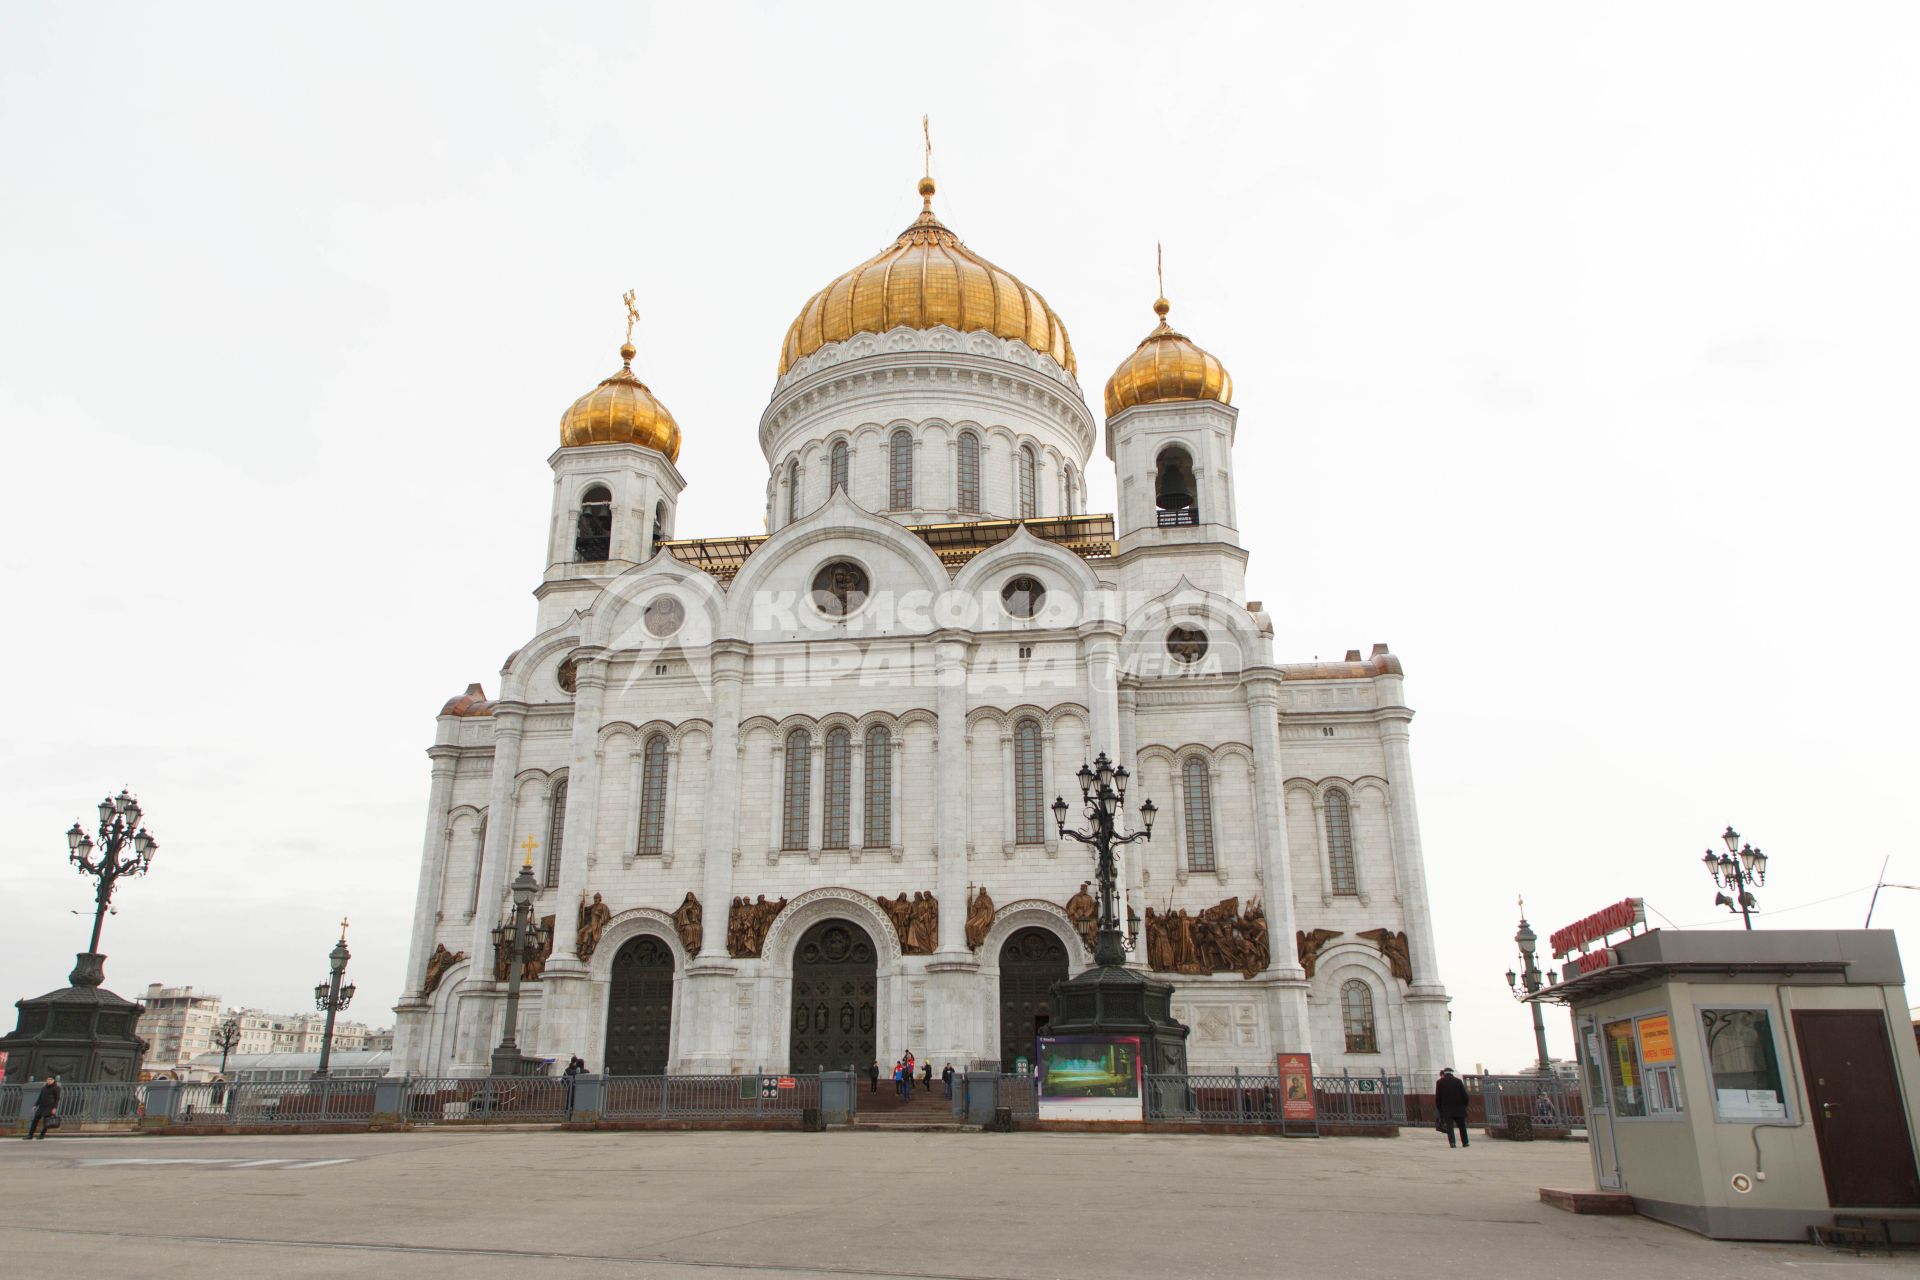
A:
(793, 491)
(479, 865)
(836, 818)
(1026, 464)
(653, 797)
(1073, 491)
(1197, 799)
(900, 471)
(1340, 867)
(966, 495)
(793, 822)
(1029, 785)
(556, 835)
(877, 830)
(593, 537)
(1173, 488)
(1356, 1015)
(659, 522)
(837, 467)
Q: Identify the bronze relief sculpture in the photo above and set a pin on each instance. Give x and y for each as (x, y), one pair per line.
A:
(1393, 946)
(747, 924)
(1220, 939)
(980, 911)
(1084, 913)
(916, 922)
(594, 917)
(687, 923)
(1309, 943)
(437, 965)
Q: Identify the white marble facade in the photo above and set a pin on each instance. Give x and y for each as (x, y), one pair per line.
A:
(662, 731)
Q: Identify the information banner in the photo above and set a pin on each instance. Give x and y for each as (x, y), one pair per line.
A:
(1296, 1087)
(1090, 1078)
(1656, 1041)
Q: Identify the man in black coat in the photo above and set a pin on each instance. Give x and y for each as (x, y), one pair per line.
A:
(45, 1107)
(1450, 1106)
(873, 1077)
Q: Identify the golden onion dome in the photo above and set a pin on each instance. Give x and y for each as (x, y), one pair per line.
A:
(621, 411)
(1167, 366)
(925, 279)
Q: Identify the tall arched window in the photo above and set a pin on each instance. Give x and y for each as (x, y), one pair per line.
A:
(836, 818)
(1073, 491)
(966, 495)
(877, 830)
(593, 537)
(1340, 867)
(653, 797)
(837, 467)
(659, 522)
(1197, 800)
(1027, 465)
(1356, 1016)
(556, 835)
(900, 471)
(1029, 785)
(793, 822)
(479, 864)
(793, 491)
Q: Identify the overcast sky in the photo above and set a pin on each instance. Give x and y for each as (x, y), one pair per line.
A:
(1574, 351)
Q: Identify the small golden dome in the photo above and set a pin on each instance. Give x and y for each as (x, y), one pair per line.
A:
(621, 411)
(1167, 366)
(924, 279)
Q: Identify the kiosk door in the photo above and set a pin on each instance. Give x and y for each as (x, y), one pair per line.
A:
(1859, 1119)
(1593, 1070)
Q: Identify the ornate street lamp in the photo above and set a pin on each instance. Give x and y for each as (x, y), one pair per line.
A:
(1527, 982)
(225, 1037)
(1740, 866)
(1103, 792)
(518, 936)
(125, 849)
(332, 997)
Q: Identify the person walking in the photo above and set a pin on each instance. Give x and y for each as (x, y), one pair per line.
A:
(907, 1062)
(926, 1074)
(946, 1078)
(1450, 1106)
(570, 1078)
(873, 1077)
(46, 1110)
(902, 1081)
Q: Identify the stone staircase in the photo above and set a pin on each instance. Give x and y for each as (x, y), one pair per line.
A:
(925, 1110)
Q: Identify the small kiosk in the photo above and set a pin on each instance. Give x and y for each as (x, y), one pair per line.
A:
(1747, 1085)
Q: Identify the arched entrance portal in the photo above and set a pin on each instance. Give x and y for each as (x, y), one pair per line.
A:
(835, 970)
(1030, 963)
(640, 1008)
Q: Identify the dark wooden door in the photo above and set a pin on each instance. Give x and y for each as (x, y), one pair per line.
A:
(835, 979)
(1030, 963)
(1859, 1118)
(640, 1008)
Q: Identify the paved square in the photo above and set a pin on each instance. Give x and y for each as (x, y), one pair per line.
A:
(716, 1205)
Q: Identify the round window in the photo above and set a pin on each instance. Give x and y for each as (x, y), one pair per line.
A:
(1187, 644)
(662, 616)
(567, 676)
(840, 589)
(1023, 596)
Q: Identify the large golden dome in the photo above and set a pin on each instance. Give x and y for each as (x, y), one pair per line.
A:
(924, 279)
(1167, 366)
(621, 411)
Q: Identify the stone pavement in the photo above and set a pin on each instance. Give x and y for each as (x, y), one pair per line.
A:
(961, 1206)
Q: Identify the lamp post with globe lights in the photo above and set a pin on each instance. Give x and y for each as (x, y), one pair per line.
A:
(1740, 867)
(1103, 792)
(1528, 982)
(125, 849)
(225, 1037)
(332, 997)
(515, 938)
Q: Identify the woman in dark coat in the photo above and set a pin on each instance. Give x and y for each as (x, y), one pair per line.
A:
(1450, 1106)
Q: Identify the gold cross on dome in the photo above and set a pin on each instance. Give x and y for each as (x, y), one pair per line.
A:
(926, 135)
(1159, 268)
(633, 316)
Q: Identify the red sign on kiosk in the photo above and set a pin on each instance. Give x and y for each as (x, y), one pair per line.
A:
(1622, 915)
(1296, 1086)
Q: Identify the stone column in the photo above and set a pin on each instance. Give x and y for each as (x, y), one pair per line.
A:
(1133, 857)
(857, 796)
(667, 816)
(896, 798)
(777, 798)
(816, 796)
(433, 867)
(1009, 823)
(509, 721)
(956, 1003)
(1049, 833)
(636, 760)
(1407, 859)
(1324, 848)
(705, 1025)
(566, 1003)
(1284, 980)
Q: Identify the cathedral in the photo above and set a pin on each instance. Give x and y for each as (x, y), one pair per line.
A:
(788, 796)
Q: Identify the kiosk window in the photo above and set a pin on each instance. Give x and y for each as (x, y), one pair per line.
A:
(1642, 1076)
(1746, 1070)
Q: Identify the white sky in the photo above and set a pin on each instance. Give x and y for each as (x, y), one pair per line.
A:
(1573, 349)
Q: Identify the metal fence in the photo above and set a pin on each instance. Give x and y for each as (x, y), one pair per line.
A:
(1365, 1101)
(103, 1105)
(488, 1099)
(1553, 1103)
(299, 1102)
(1237, 1098)
(710, 1097)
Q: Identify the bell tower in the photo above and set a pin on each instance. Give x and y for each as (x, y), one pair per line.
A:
(1170, 429)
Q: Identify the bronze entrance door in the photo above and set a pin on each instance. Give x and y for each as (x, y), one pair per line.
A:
(835, 981)
(1859, 1120)
(1030, 963)
(640, 1008)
